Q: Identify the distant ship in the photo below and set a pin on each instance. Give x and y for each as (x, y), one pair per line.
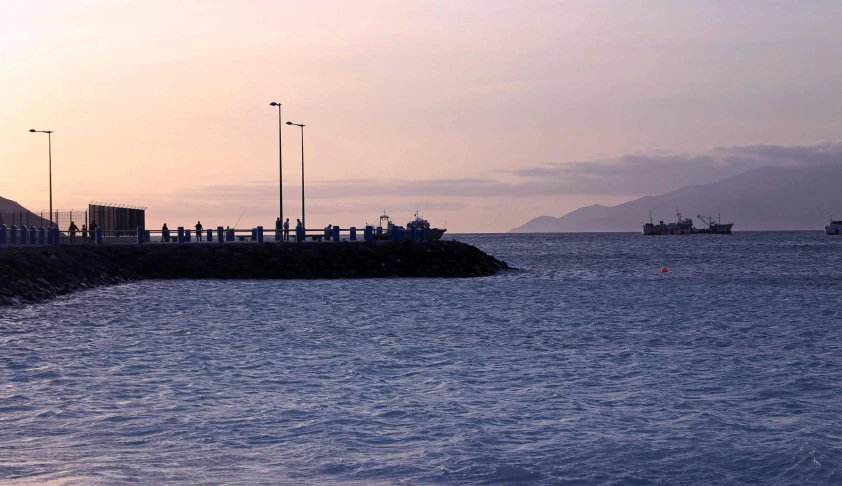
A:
(431, 233)
(834, 228)
(685, 227)
(416, 222)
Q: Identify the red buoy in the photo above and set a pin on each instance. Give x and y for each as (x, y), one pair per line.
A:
(664, 270)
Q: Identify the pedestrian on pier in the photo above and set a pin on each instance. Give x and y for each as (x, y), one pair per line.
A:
(165, 234)
(198, 231)
(278, 229)
(286, 230)
(84, 234)
(72, 230)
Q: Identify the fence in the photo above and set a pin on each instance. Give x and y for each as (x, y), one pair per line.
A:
(14, 235)
(23, 217)
(63, 217)
(116, 217)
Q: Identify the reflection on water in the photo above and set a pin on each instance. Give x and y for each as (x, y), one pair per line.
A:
(588, 365)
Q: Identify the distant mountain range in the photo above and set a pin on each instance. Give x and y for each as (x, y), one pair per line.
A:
(12, 213)
(770, 198)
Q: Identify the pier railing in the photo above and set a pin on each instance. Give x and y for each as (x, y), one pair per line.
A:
(23, 235)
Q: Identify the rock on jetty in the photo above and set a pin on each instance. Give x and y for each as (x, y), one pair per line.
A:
(34, 274)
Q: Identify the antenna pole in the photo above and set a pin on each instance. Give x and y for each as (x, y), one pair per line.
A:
(238, 219)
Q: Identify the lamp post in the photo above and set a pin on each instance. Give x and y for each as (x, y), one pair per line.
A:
(280, 164)
(303, 220)
(50, 147)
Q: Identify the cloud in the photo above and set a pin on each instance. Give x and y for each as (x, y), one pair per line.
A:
(797, 156)
(630, 175)
(353, 188)
(654, 173)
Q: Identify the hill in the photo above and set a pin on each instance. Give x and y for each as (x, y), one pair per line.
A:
(12, 213)
(771, 198)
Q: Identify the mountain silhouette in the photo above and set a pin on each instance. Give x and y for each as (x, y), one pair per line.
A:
(770, 198)
(12, 213)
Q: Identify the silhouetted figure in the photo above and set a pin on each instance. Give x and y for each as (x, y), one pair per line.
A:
(198, 231)
(72, 230)
(84, 234)
(278, 229)
(328, 231)
(286, 230)
(165, 233)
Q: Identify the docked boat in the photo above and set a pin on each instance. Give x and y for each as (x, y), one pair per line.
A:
(431, 233)
(685, 227)
(834, 228)
(385, 228)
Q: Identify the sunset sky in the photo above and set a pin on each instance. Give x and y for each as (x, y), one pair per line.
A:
(483, 114)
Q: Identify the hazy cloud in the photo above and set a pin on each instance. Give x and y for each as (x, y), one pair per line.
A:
(629, 175)
(655, 173)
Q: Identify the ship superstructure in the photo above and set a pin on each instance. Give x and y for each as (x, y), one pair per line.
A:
(385, 227)
(685, 226)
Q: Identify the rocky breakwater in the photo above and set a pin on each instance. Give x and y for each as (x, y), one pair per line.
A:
(34, 274)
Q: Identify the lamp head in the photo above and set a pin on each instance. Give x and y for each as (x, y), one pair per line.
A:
(32, 130)
(289, 123)
(274, 104)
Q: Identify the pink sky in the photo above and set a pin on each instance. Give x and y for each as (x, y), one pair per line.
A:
(430, 104)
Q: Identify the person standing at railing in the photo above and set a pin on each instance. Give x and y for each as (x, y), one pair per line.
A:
(84, 234)
(72, 230)
(165, 234)
(198, 231)
(286, 230)
(278, 228)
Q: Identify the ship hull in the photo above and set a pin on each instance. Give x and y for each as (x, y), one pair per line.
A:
(833, 229)
(720, 229)
(430, 234)
(435, 233)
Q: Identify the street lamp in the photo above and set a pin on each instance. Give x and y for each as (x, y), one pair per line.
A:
(50, 146)
(280, 164)
(303, 221)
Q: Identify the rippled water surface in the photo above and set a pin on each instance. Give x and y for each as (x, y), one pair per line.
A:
(587, 366)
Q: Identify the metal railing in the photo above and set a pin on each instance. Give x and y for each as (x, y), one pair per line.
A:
(23, 235)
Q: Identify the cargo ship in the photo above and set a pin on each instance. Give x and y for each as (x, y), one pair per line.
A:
(685, 227)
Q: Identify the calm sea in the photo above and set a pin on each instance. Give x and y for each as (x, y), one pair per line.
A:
(586, 366)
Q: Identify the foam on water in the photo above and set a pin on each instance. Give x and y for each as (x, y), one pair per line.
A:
(589, 366)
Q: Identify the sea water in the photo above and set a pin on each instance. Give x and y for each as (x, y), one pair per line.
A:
(587, 365)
